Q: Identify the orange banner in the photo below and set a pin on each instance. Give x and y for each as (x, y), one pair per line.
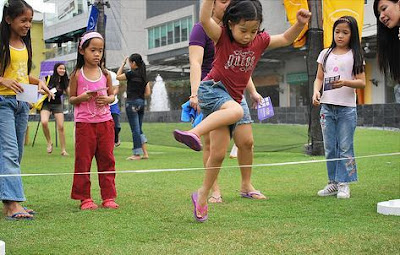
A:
(334, 9)
(292, 6)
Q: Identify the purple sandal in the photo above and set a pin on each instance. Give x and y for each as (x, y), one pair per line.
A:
(203, 210)
(251, 194)
(191, 140)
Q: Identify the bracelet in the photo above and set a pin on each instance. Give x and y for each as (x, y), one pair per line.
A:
(193, 96)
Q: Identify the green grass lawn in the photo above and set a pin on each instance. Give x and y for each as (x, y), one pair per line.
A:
(155, 215)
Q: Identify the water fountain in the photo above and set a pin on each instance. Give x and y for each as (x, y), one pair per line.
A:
(159, 96)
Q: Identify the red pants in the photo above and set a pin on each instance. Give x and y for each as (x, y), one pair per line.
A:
(94, 139)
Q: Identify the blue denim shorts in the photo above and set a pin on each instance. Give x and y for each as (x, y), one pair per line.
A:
(212, 95)
(246, 113)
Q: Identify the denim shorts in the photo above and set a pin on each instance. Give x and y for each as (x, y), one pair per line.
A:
(246, 113)
(212, 95)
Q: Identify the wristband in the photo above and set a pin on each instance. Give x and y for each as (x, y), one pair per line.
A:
(193, 96)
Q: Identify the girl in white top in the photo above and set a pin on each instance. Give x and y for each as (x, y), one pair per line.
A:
(340, 72)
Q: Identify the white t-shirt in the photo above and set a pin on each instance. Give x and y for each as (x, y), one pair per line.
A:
(115, 83)
(338, 65)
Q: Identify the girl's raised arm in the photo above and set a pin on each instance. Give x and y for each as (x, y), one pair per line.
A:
(213, 30)
(120, 75)
(288, 37)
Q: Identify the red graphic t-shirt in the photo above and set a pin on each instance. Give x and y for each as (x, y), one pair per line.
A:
(234, 63)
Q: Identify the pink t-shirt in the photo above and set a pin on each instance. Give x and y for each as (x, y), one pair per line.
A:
(234, 63)
(88, 111)
(338, 65)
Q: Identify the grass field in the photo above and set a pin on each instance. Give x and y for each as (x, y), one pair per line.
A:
(155, 215)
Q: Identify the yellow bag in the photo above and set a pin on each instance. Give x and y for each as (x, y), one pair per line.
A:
(39, 103)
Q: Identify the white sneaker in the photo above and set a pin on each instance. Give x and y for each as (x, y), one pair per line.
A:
(329, 190)
(343, 190)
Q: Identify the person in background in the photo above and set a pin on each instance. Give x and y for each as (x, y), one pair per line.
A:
(136, 89)
(114, 108)
(58, 81)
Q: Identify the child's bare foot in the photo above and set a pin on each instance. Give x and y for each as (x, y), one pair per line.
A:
(134, 157)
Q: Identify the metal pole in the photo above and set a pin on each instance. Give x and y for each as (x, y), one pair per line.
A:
(100, 23)
(315, 45)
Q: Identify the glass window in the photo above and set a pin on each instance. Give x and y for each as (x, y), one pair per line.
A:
(184, 29)
(170, 33)
(177, 31)
(151, 38)
(164, 35)
(157, 41)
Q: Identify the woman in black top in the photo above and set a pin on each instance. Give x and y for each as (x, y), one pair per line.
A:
(135, 102)
(58, 81)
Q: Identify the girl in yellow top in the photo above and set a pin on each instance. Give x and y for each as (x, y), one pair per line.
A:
(15, 66)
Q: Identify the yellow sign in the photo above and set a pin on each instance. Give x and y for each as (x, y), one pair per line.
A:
(334, 9)
(292, 6)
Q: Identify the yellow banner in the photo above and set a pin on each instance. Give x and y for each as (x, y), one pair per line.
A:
(334, 9)
(292, 6)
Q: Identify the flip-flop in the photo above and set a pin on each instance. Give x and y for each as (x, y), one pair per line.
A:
(252, 194)
(215, 200)
(50, 149)
(17, 216)
(30, 211)
(189, 139)
(203, 210)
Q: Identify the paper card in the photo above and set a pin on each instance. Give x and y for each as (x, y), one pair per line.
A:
(30, 93)
(328, 82)
(265, 109)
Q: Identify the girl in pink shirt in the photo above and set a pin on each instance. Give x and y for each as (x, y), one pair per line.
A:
(91, 93)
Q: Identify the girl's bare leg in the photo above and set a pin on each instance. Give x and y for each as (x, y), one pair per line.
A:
(44, 119)
(219, 142)
(61, 132)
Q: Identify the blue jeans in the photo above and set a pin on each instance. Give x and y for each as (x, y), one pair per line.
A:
(13, 123)
(135, 113)
(338, 124)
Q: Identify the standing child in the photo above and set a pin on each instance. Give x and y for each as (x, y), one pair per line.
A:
(15, 66)
(91, 92)
(340, 72)
(239, 45)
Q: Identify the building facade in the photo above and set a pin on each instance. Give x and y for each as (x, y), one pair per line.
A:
(159, 30)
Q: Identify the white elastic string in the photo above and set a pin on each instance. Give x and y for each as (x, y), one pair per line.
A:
(202, 168)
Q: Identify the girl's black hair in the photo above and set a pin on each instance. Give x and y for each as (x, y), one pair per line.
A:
(80, 61)
(59, 81)
(14, 9)
(242, 9)
(354, 44)
(135, 57)
(388, 45)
